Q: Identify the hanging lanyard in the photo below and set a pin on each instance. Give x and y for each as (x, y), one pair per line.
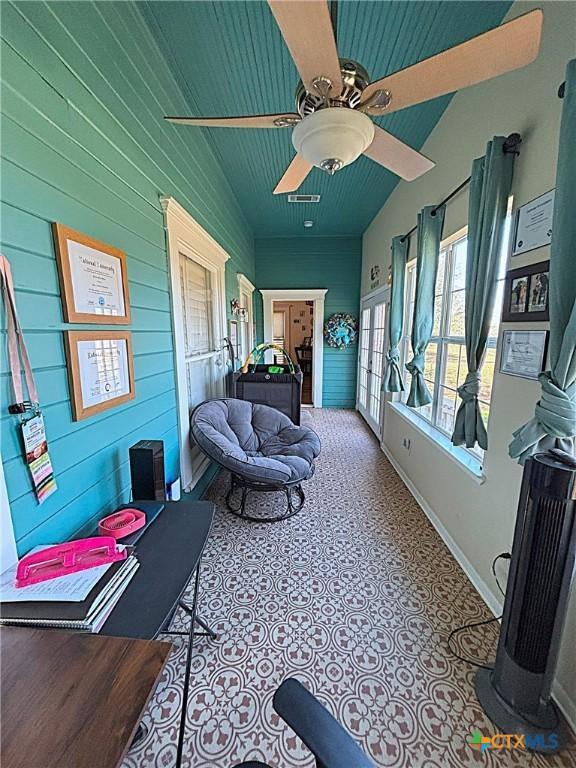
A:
(31, 420)
(17, 352)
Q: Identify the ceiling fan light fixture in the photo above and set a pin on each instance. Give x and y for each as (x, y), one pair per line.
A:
(332, 138)
(331, 165)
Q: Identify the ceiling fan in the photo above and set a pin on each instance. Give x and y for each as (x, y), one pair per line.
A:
(335, 97)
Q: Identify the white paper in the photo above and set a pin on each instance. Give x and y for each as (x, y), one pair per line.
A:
(534, 224)
(74, 587)
(104, 372)
(523, 353)
(96, 279)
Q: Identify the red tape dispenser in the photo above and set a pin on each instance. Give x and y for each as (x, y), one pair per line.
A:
(66, 558)
(122, 523)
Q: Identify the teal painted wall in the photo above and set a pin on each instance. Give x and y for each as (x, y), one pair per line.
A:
(319, 262)
(84, 88)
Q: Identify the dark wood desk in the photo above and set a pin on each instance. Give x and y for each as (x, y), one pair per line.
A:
(169, 551)
(73, 700)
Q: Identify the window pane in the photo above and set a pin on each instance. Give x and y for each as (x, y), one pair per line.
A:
(196, 290)
(446, 409)
(438, 306)
(487, 374)
(459, 271)
(439, 293)
(430, 362)
(426, 410)
(441, 274)
(454, 366)
(456, 327)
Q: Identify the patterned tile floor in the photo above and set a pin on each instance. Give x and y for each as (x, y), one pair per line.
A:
(356, 597)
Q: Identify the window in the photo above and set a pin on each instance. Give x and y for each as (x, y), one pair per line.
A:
(445, 362)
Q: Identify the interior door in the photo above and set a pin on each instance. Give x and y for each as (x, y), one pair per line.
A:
(372, 349)
(203, 350)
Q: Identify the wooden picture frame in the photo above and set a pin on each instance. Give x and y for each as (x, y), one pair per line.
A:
(520, 288)
(88, 379)
(88, 284)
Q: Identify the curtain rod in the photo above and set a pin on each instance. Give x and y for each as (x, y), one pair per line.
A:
(511, 144)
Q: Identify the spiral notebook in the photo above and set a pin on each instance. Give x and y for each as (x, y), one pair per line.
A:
(87, 615)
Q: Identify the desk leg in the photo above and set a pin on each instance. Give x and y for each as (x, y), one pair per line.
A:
(182, 731)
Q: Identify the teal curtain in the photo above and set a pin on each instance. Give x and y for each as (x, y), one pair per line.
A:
(430, 224)
(554, 423)
(490, 187)
(393, 375)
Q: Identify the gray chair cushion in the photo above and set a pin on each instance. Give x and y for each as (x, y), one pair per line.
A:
(254, 441)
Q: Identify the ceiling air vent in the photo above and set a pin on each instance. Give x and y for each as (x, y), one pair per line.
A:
(303, 198)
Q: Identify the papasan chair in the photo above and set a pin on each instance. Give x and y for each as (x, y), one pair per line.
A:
(260, 447)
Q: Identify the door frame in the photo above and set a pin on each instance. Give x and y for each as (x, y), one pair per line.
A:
(318, 296)
(245, 286)
(183, 233)
(369, 301)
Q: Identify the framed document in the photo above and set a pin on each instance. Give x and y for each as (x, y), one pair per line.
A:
(533, 224)
(526, 294)
(93, 279)
(523, 353)
(100, 370)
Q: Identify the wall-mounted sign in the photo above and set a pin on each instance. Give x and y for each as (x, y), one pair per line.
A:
(93, 279)
(100, 370)
(523, 353)
(533, 224)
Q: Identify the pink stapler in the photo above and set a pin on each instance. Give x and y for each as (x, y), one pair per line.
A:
(66, 558)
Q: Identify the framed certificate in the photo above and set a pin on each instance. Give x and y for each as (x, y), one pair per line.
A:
(93, 279)
(523, 353)
(533, 224)
(100, 370)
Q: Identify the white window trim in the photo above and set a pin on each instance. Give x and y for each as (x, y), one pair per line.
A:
(183, 233)
(245, 286)
(317, 295)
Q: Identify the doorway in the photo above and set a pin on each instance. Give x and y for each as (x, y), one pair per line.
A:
(371, 352)
(311, 344)
(293, 324)
(198, 298)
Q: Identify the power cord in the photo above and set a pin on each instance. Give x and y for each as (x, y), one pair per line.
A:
(482, 665)
(474, 662)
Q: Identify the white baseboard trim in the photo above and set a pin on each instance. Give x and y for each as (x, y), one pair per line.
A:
(560, 695)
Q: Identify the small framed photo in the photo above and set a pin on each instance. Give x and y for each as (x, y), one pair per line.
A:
(93, 279)
(523, 353)
(100, 370)
(526, 294)
(538, 292)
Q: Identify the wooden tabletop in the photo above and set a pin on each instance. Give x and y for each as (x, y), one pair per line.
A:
(71, 699)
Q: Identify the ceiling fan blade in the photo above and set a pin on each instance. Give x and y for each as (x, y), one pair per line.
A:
(293, 176)
(508, 47)
(397, 156)
(307, 31)
(281, 120)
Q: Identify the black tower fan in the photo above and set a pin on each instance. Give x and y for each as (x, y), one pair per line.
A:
(516, 693)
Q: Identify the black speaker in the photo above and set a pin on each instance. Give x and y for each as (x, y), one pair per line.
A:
(147, 471)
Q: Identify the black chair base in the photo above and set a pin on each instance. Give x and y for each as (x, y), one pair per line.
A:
(294, 499)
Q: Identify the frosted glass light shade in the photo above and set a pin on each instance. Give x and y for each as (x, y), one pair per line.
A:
(335, 133)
